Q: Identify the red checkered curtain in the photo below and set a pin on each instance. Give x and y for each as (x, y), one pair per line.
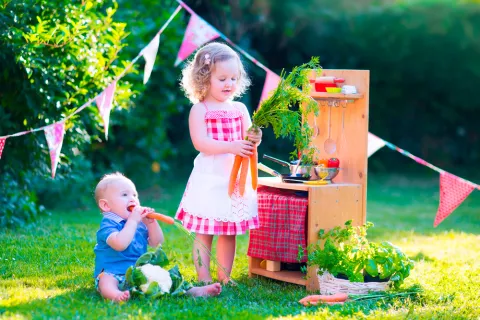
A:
(283, 218)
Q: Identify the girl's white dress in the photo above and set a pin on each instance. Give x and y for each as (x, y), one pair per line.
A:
(206, 207)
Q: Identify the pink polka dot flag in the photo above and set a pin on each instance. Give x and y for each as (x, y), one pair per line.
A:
(453, 192)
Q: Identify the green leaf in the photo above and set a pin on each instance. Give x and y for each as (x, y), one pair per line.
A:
(159, 258)
(138, 277)
(153, 288)
(144, 259)
(129, 277)
(371, 268)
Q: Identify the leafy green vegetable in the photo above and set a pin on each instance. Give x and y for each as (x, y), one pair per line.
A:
(279, 110)
(347, 251)
(134, 277)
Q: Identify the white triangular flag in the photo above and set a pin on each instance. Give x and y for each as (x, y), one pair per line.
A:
(104, 103)
(54, 134)
(149, 54)
(374, 143)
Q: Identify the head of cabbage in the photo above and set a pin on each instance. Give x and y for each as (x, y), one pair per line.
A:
(148, 278)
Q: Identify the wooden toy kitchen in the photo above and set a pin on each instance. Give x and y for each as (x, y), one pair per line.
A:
(289, 222)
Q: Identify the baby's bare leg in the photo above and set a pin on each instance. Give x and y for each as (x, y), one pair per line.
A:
(108, 287)
(210, 290)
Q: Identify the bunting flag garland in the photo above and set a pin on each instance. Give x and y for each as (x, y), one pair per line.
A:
(374, 144)
(453, 189)
(54, 134)
(271, 82)
(198, 33)
(2, 145)
(149, 54)
(453, 192)
(104, 103)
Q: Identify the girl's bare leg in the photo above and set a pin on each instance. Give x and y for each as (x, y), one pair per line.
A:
(201, 259)
(225, 254)
(108, 287)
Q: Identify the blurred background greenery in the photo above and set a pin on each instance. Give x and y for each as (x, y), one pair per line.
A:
(54, 56)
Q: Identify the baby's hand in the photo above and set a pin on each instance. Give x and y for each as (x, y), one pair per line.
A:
(146, 220)
(242, 148)
(138, 213)
(254, 135)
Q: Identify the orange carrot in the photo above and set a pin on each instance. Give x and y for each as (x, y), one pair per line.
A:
(234, 174)
(253, 167)
(161, 217)
(243, 176)
(314, 299)
(156, 216)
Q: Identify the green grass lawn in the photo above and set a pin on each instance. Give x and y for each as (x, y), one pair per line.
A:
(46, 268)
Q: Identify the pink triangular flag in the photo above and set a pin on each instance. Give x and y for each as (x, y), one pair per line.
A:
(54, 134)
(271, 82)
(374, 143)
(2, 145)
(149, 54)
(104, 103)
(453, 191)
(198, 33)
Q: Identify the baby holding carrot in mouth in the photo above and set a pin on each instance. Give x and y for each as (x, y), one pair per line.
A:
(123, 237)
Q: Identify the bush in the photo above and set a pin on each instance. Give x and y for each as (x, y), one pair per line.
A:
(53, 61)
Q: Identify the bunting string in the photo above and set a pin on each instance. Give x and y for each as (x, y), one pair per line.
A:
(453, 189)
(427, 164)
(224, 37)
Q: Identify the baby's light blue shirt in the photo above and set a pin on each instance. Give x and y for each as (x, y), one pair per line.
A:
(117, 262)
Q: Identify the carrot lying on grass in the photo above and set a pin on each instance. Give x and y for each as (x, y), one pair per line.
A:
(338, 298)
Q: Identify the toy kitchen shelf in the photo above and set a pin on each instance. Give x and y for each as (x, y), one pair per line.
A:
(345, 199)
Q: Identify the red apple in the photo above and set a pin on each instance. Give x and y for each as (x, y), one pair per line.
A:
(333, 163)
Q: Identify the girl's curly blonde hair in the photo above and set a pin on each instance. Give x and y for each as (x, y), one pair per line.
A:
(195, 81)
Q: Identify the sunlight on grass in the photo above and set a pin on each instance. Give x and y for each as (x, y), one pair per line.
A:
(46, 268)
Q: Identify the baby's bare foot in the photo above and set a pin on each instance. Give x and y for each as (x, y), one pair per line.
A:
(122, 296)
(210, 290)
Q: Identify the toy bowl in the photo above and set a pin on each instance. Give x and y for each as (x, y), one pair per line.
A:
(329, 173)
(333, 89)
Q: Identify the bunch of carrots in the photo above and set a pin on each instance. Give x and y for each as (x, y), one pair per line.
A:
(277, 111)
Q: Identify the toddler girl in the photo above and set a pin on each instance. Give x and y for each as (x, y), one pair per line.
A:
(218, 128)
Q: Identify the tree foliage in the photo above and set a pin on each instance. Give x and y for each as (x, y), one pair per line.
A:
(54, 57)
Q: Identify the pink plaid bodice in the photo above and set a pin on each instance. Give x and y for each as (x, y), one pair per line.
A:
(224, 125)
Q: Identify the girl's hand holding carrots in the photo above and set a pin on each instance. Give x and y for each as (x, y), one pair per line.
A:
(241, 148)
(254, 135)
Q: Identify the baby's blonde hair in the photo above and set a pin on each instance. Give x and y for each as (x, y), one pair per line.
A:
(105, 182)
(195, 81)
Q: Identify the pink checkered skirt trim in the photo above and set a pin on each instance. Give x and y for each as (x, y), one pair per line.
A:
(214, 227)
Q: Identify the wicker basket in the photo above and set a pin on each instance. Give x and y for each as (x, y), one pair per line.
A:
(331, 285)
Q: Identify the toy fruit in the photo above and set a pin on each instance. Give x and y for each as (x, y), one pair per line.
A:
(323, 162)
(333, 163)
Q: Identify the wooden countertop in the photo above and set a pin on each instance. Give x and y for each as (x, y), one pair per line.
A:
(276, 182)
